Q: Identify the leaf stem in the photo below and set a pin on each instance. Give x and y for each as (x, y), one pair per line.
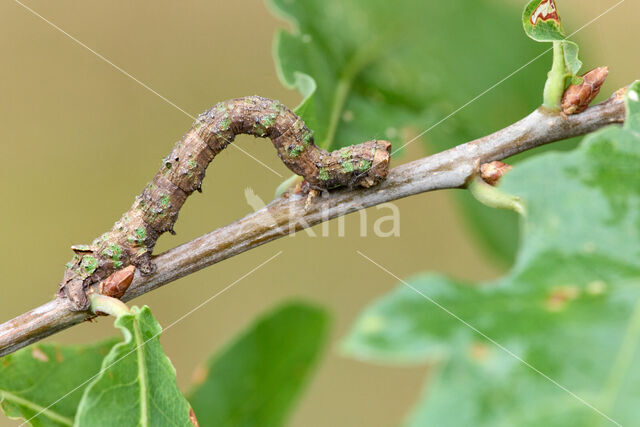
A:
(495, 198)
(345, 82)
(142, 373)
(108, 305)
(339, 100)
(556, 79)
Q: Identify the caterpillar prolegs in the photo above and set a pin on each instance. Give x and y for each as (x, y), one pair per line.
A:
(155, 211)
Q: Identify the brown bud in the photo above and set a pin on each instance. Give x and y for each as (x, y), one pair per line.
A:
(577, 98)
(492, 172)
(117, 284)
(192, 418)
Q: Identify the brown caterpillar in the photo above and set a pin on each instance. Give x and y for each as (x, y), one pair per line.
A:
(155, 211)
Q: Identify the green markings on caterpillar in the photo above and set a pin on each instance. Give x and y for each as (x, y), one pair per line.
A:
(296, 150)
(191, 165)
(259, 130)
(307, 138)
(269, 119)
(117, 252)
(348, 166)
(276, 107)
(225, 123)
(323, 174)
(164, 201)
(345, 154)
(345, 162)
(89, 264)
(263, 123)
(140, 235)
(364, 165)
(114, 252)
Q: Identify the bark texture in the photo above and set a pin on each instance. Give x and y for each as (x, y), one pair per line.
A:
(155, 211)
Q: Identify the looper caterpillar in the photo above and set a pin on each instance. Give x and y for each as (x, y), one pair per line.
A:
(155, 211)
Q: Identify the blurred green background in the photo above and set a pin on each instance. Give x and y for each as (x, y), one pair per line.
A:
(80, 140)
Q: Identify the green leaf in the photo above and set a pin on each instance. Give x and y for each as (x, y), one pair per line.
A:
(137, 383)
(570, 307)
(571, 60)
(256, 380)
(381, 66)
(542, 23)
(35, 377)
(393, 69)
(632, 103)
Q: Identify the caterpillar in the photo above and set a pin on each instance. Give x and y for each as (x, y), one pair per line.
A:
(155, 210)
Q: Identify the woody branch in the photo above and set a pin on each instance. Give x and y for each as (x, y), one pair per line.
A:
(452, 168)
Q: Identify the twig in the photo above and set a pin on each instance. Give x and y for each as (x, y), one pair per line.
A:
(452, 168)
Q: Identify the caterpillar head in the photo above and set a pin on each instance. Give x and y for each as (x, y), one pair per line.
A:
(381, 155)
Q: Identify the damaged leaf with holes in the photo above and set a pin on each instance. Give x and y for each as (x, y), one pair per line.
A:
(570, 305)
